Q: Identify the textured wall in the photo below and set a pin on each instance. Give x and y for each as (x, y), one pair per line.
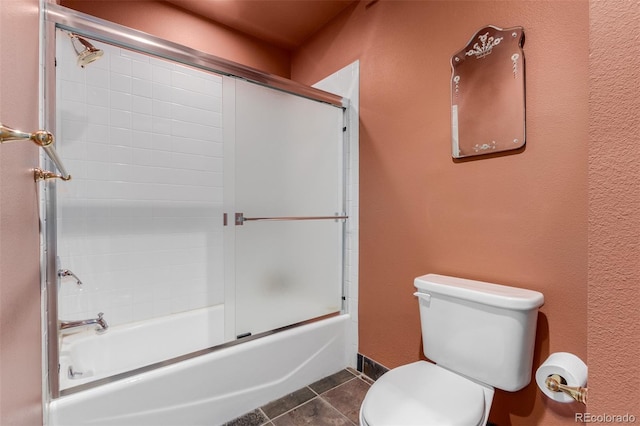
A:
(20, 344)
(614, 209)
(514, 219)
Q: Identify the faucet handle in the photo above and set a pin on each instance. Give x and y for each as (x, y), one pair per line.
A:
(67, 273)
(103, 326)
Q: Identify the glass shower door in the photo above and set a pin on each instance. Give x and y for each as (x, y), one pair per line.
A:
(288, 189)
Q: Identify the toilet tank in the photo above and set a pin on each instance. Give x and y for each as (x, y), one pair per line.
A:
(480, 330)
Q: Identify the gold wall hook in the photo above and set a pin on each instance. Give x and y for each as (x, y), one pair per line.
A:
(555, 383)
(39, 174)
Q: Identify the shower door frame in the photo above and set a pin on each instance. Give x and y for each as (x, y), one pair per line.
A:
(59, 17)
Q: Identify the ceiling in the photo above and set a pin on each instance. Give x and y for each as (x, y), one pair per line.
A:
(284, 23)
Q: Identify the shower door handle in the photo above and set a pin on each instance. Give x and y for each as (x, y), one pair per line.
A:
(240, 219)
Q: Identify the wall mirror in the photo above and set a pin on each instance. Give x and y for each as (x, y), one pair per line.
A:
(488, 93)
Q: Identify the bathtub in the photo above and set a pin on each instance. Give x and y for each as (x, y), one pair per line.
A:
(210, 389)
(87, 357)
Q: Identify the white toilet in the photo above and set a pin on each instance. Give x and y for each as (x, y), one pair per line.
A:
(479, 335)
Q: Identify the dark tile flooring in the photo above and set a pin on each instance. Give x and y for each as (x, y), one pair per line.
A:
(334, 400)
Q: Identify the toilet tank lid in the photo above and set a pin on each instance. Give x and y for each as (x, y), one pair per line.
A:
(501, 296)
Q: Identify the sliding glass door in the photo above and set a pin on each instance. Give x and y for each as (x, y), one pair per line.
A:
(198, 200)
(288, 189)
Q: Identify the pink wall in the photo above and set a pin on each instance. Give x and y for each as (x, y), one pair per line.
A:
(614, 209)
(20, 347)
(515, 219)
(180, 26)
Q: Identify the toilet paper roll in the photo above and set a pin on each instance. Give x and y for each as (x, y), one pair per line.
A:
(567, 365)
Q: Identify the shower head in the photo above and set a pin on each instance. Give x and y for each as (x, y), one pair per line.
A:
(86, 51)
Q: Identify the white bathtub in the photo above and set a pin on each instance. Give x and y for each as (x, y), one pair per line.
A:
(210, 389)
(127, 347)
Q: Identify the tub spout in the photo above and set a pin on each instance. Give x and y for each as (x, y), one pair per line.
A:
(101, 323)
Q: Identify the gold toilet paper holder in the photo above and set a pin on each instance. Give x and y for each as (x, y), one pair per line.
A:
(557, 383)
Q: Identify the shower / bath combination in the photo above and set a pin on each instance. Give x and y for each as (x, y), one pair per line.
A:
(87, 52)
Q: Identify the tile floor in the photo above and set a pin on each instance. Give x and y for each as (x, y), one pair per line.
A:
(334, 400)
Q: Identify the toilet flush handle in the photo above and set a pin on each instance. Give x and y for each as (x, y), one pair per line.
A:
(424, 296)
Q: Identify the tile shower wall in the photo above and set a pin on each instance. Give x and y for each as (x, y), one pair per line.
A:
(140, 223)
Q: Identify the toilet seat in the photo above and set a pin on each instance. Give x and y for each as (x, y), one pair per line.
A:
(423, 394)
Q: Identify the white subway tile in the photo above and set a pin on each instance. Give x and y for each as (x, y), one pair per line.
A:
(73, 91)
(161, 125)
(120, 64)
(120, 83)
(142, 157)
(72, 132)
(134, 56)
(97, 77)
(213, 87)
(120, 118)
(141, 122)
(195, 131)
(72, 111)
(97, 115)
(121, 101)
(161, 109)
(142, 139)
(141, 87)
(161, 75)
(161, 141)
(98, 96)
(163, 63)
(189, 114)
(142, 311)
(97, 133)
(192, 99)
(141, 70)
(161, 92)
(141, 104)
(162, 159)
(120, 136)
(97, 170)
(182, 80)
(120, 154)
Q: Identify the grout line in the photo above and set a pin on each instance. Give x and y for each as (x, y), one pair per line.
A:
(265, 416)
(341, 413)
(337, 386)
(297, 406)
(312, 391)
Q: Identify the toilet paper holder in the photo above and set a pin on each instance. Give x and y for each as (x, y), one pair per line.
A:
(556, 383)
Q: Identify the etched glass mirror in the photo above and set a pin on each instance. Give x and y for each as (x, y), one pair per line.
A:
(487, 93)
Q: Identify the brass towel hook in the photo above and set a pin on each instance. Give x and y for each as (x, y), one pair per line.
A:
(41, 138)
(39, 174)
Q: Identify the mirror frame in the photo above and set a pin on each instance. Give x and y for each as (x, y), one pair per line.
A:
(488, 93)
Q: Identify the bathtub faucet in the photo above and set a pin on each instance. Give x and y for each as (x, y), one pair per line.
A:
(101, 323)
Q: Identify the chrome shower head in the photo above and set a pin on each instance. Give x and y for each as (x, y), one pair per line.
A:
(86, 51)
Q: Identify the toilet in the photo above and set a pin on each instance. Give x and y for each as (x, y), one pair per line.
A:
(480, 336)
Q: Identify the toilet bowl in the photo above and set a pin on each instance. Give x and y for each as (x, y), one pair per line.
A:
(399, 398)
(480, 336)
